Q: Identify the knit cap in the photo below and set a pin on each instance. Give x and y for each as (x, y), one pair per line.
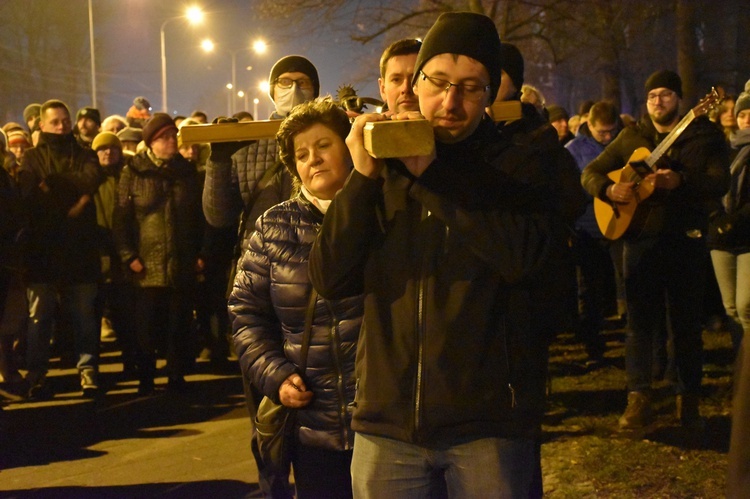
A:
(130, 134)
(665, 79)
(743, 101)
(465, 33)
(556, 112)
(157, 125)
(91, 113)
(512, 63)
(31, 111)
(294, 64)
(17, 136)
(105, 139)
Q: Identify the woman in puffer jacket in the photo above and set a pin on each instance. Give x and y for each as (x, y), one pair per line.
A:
(270, 298)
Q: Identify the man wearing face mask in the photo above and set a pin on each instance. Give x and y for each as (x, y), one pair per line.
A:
(244, 180)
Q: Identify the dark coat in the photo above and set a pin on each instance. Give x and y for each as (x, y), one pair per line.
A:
(158, 219)
(267, 307)
(60, 248)
(700, 155)
(447, 352)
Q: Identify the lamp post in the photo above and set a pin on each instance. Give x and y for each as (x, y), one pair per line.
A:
(255, 108)
(93, 63)
(230, 99)
(194, 15)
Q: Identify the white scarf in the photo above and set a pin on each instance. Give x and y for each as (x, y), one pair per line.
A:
(321, 204)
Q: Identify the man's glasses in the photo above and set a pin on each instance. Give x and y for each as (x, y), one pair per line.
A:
(663, 96)
(468, 91)
(303, 83)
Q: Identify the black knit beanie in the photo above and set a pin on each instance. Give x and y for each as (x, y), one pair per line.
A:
(464, 33)
(89, 112)
(665, 79)
(512, 63)
(294, 64)
(32, 110)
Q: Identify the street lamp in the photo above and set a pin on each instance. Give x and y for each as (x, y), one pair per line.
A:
(230, 99)
(255, 108)
(259, 47)
(194, 15)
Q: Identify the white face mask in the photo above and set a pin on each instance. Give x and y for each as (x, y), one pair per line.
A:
(286, 98)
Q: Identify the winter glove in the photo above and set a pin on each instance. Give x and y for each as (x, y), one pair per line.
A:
(221, 152)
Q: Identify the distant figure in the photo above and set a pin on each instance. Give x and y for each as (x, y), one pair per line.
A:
(558, 118)
(88, 121)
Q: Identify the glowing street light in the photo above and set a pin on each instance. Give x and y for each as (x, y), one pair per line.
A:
(194, 15)
(259, 46)
(207, 45)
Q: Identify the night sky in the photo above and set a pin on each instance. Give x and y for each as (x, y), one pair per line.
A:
(128, 56)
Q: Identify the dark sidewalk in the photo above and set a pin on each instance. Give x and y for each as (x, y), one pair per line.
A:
(190, 444)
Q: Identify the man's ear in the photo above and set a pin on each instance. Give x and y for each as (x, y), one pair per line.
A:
(381, 86)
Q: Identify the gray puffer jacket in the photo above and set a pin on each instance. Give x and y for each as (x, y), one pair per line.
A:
(157, 218)
(267, 307)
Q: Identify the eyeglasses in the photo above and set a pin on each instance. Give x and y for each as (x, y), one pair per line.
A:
(608, 132)
(303, 83)
(468, 91)
(665, 95)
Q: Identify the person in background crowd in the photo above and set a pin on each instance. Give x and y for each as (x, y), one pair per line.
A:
(574, 124)
(114, 123)
(243, 116)
(244, 180)
(583, 110)
(558, 118)
(31, 114)
(271, 294)
(18, 140)
(657, 285)
(596, 276)
(115, 307)
(533, 96)
(729, 235)
(158, 230)
(724, 116)
(730, 242)
(442, 245)
(139, 112)
(199, 117)
(396, 72)
(13, 303)
(58, 179)
(130, 138)
(88, 121)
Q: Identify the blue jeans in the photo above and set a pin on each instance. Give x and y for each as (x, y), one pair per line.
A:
(733, 274)
(79, 300)
(488, 467)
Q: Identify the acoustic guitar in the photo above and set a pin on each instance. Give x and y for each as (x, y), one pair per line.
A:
(615, 219)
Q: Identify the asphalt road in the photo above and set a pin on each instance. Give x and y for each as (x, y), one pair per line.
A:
(192, 444)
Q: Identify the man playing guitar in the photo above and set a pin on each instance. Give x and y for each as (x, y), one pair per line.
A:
(665, 253)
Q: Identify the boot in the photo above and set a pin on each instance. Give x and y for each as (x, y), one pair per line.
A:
(688, 411)
(638, 412)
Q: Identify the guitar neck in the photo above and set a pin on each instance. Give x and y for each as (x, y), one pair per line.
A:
(665, 144)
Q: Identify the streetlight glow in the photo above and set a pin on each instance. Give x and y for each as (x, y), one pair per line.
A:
(260, 46)
(240, 94)
(264, 86)
(207, 45)
(194, 15)
(230, 86)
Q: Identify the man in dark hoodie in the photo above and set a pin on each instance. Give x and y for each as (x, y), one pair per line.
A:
(58, 179)
(445, 247)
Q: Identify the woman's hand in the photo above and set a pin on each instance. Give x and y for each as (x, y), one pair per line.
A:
(293, 393)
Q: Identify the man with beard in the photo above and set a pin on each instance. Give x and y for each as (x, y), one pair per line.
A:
(88, 121)
(664, 264)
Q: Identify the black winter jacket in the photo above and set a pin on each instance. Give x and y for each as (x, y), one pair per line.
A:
(699, 154)
(447, 352)
(60, 248)
(267, 307)
(157, 218)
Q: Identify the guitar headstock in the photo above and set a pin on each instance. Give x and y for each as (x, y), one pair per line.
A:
(710, 101)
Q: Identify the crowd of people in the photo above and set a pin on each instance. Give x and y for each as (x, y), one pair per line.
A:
(403, 306)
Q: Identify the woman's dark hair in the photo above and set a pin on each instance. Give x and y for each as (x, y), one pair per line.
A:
(318, 111)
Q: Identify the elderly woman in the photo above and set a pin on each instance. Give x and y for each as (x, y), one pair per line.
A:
(270, 298)
(158, 226)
